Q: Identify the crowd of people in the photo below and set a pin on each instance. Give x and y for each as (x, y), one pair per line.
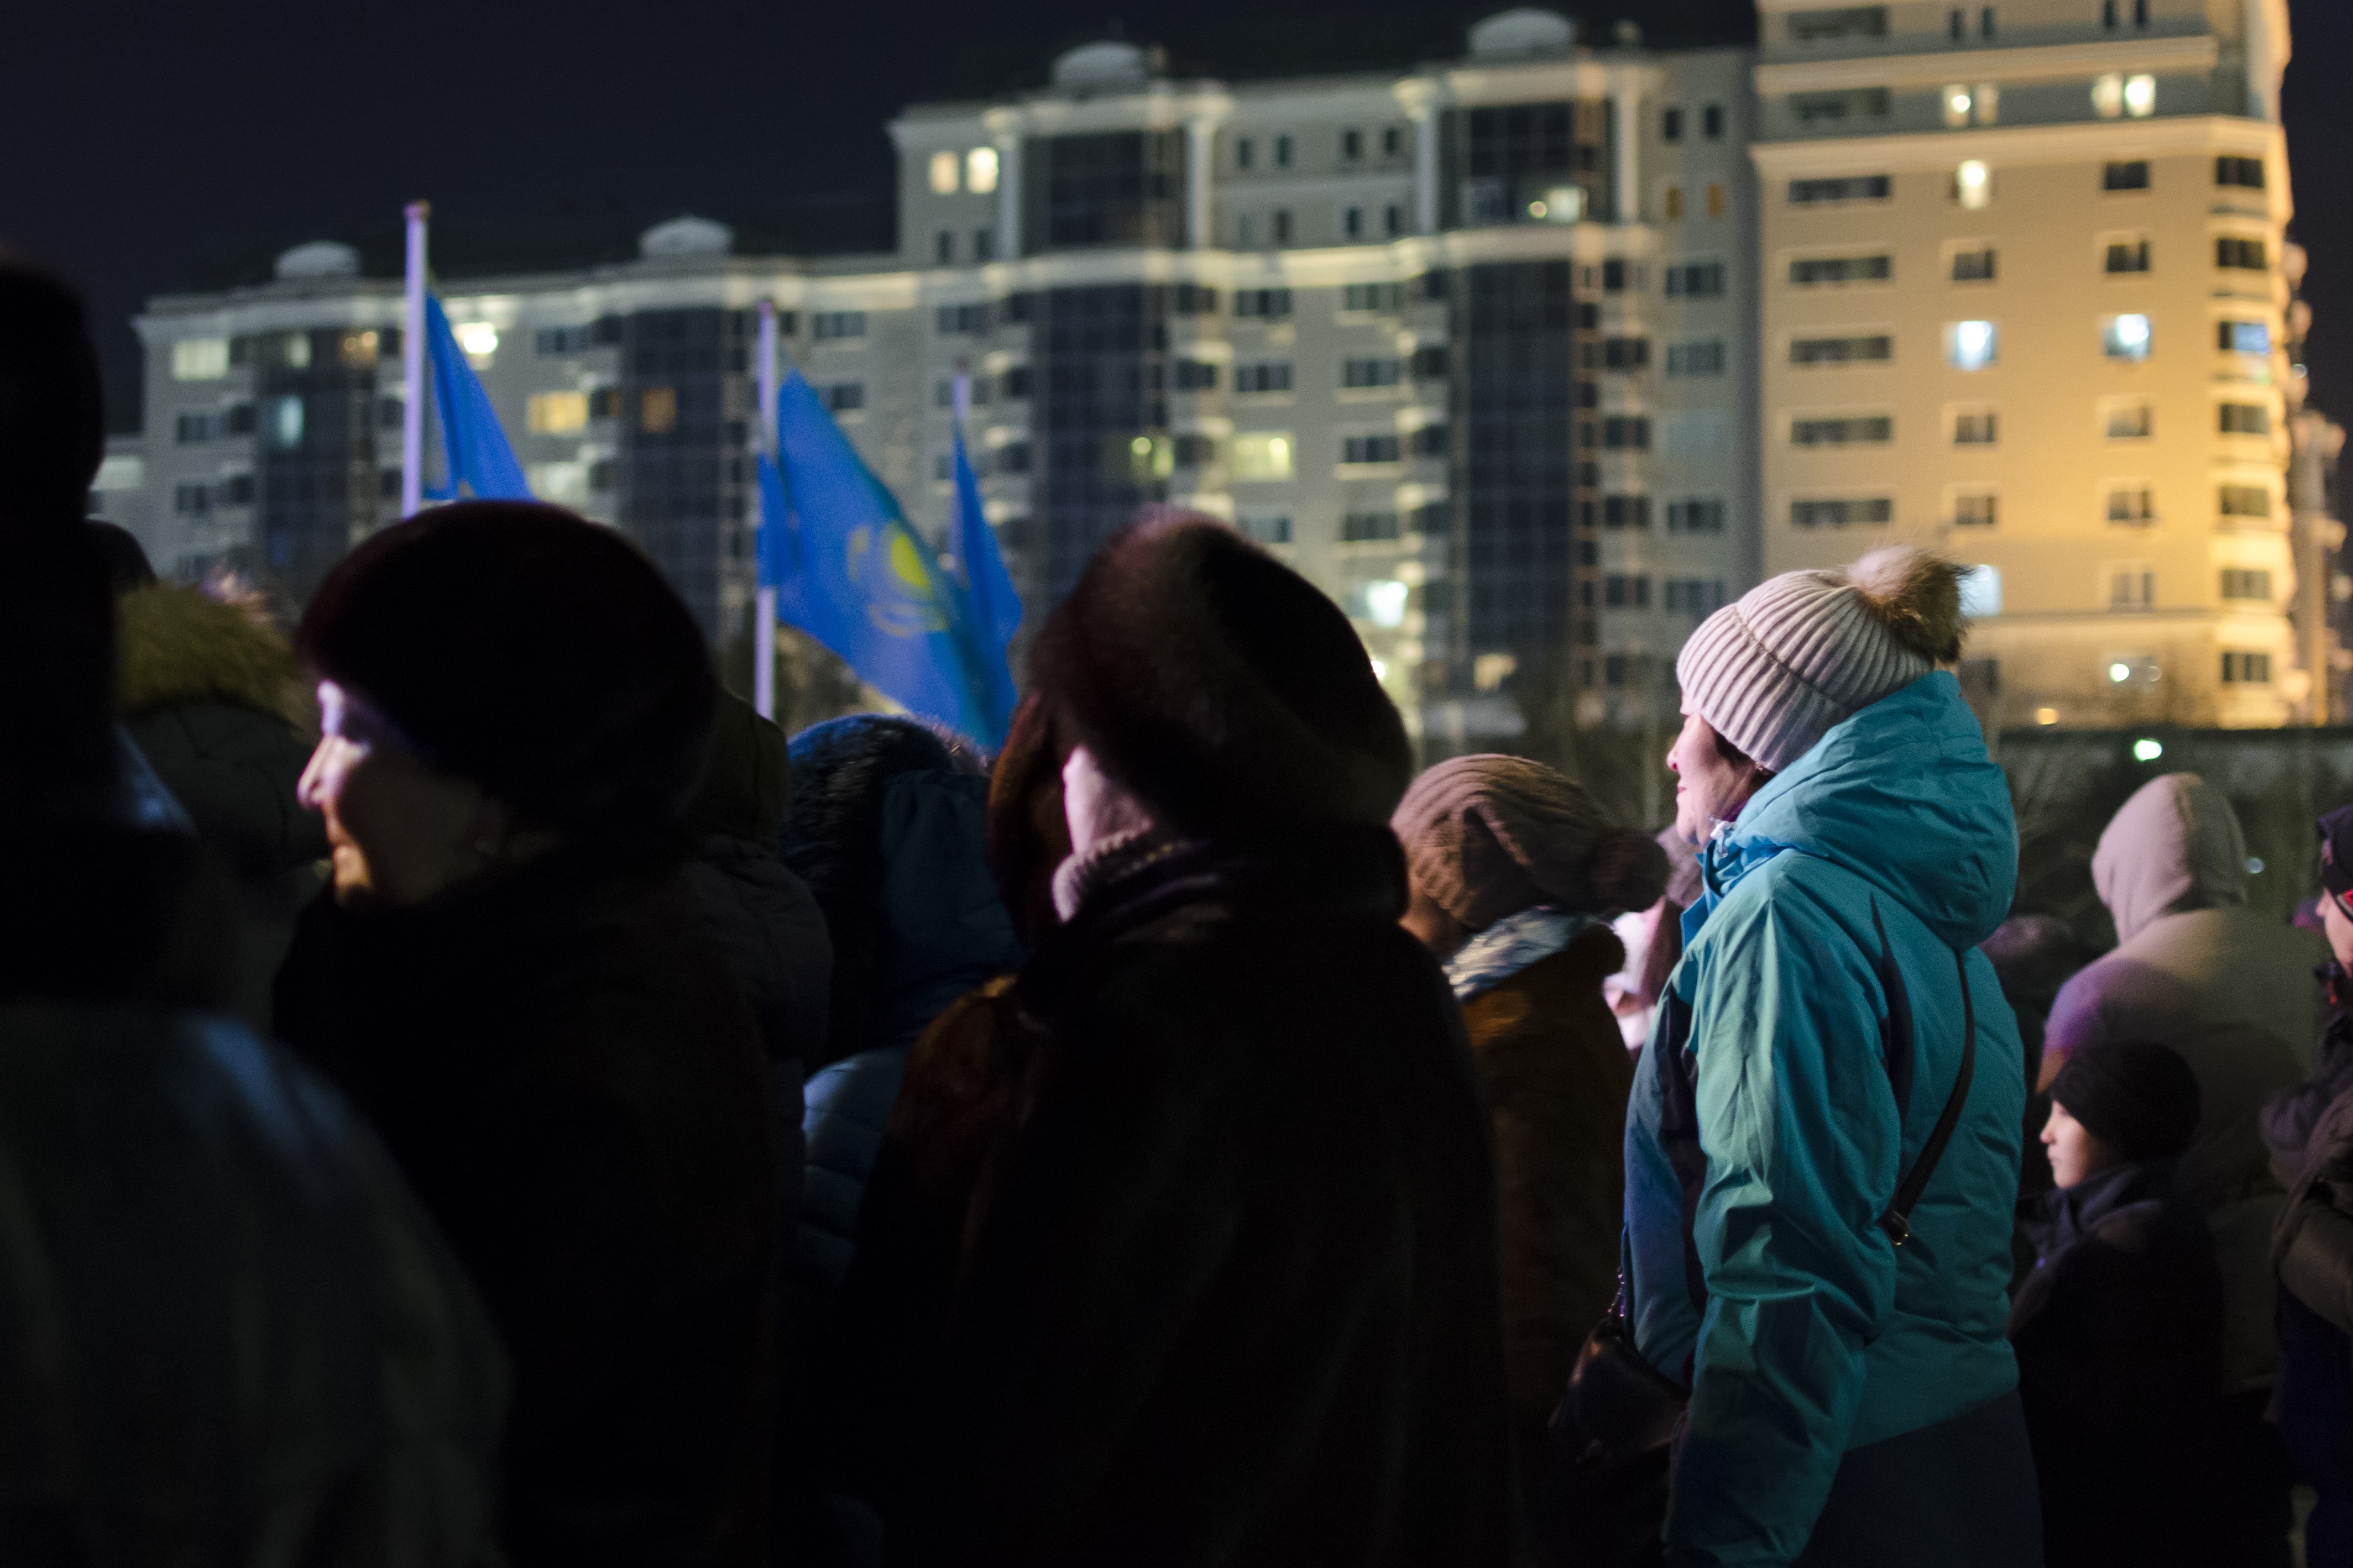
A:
(472, 1092)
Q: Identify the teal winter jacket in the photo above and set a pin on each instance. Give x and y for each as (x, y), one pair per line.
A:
(1810, 1037)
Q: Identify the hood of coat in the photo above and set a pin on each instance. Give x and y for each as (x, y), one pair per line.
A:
(747, 785)
(2174, 846)
(1901, 794)
(180, 644)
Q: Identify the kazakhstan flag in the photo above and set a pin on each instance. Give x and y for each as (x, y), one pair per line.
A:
(849, 572)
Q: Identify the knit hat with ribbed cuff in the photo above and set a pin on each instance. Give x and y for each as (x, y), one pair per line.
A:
(1774, 671)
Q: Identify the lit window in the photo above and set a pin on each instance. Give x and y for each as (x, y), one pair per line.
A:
(657, 410)
(980, 170)
(1261, 456)
(943, 173)
(1981, 591)
(1989, 102)
(2243, 337)
(1385, 603)
(556, 413)
(200, 359)
(2108, 96)
(1973, 184)
(1674, 202)
(1715, 201)
(2126, 337)
(2140, 96)
(479, 340)
(1957, 106)
(296, 349)
(566, 482)
(1973, 345)
(285, 422)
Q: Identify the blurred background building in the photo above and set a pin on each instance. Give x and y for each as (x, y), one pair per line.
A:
(1529, 358)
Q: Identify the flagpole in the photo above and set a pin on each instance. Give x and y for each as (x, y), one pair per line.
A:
(764, 610)
(412, 368)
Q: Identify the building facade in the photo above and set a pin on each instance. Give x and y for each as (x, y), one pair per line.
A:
(2023, 297)
(1469, 345)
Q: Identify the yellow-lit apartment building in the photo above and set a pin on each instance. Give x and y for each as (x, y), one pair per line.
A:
(2022, 297)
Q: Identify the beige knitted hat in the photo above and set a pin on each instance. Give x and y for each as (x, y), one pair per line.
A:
(1774, 671)
(1489, 836)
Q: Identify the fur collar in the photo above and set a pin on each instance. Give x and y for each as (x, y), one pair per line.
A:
(178, 645)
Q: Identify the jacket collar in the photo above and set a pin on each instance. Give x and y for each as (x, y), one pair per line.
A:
(2075, 1211)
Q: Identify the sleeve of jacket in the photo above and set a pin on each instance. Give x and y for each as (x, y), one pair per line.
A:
(1800, 1130)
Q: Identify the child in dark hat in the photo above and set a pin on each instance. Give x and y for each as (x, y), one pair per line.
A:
(2118, 1325)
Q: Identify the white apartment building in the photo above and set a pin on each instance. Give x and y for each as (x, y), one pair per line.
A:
(1472, 345)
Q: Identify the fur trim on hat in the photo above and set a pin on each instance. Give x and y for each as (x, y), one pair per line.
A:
(1915, 595)
(180, 644)
(1221, 687)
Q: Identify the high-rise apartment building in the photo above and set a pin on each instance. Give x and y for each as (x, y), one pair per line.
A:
(2022, 295)
(1469, 345)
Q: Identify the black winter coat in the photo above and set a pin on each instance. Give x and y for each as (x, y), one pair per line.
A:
(572, 1079)
(1234, 1298)
(2118, 1330)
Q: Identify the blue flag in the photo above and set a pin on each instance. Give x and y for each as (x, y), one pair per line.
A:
(476, 449)
(849, 572)
(988, 588)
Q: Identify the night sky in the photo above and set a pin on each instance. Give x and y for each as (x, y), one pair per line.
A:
(152, 148)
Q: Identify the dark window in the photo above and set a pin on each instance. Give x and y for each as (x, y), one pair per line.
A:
(1013, 383)
(1700, 358)
(1845, 22)
(1279, 226)
(1626, 511)
(1282, 148)
(2244, 501)
(2249, 668)
(1430, 441)
(1613, 277)
(1267, 530)
(1619, 353)
(2240, 583)
(1697, 514)
(1392, 142)
(1371, 297)
(2245, 419)
(1013, 457)
(1195, 451)
(1868, 429)
(2128, 176)
(1369, 527)
(969, 321)
(1352, 145)
(983, 244)
(1270, 303)
(1243, 152)
(1369, 450)
(1712, 122)
(605, 402)
(1121, 187)
(2247, 173)
(1270, 375)
(1696, 280)
(1850, 188)
(191, 427)
(943, 247)
(2128, 256)
(1392, 220)
(1841, 513)
(1626, 431)
(1192, 299)
(1363, 372)
(1429, 362)
(828, 326)
(2108, 14)
(1830, 108)
(1839, 350)
(563, 340)
(1809, 273)
(1624, 593)
(1692, 595)
(1671, 125)
(2233, 250)
(1195, 375)
(843, 396)
(1973, 266)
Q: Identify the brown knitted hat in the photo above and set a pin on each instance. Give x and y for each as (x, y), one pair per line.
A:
(1487, 836)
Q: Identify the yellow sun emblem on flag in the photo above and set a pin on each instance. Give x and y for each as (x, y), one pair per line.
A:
(896, 580)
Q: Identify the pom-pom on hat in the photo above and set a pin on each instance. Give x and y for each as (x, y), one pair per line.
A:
(1488, 836)
(2139, 1098)
(1774, 671)
(531, 651)
(1221, 687)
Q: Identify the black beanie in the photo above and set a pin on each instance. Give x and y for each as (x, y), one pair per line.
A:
(531, 651)
(2139, 1099)
(1220, 687)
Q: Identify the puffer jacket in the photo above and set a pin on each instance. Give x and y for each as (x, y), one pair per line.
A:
(1806, 1044)
(207, 691)
(2231, 991)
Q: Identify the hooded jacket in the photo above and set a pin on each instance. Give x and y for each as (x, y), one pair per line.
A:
(1806, 1045)
(2232, 992)
(207, 691)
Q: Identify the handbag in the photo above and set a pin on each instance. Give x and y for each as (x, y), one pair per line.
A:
(1602, 1501)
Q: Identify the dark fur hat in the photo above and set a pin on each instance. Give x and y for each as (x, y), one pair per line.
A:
(1218, 686)
(531, 651)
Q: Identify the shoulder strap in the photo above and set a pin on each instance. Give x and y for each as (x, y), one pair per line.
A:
(1897, 1221)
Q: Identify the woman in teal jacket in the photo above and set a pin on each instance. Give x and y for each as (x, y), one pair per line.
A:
(1853, 1399)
